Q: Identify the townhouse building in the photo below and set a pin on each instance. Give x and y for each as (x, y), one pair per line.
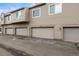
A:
(15, 22)
(50, 21)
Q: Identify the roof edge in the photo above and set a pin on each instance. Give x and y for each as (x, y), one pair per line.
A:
(8, 13)
(41, 4)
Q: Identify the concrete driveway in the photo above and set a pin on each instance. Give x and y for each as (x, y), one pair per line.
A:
(40, 47)
(3, 52)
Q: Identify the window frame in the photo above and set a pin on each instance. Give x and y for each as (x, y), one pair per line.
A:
(2, 16)
(17, 14)
(9, 18)
(55, 9)
(39, 12)
(49, 9)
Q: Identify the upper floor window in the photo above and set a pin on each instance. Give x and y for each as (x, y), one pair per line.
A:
(2, 16)
(36, 12)
(9, 17)
(18, 14)
(54, 8)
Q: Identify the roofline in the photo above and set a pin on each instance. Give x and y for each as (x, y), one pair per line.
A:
(17, 9)
(8, 13)
(41, 4)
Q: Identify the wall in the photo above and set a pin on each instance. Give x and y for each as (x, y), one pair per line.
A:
(23, 17)
(69, 16)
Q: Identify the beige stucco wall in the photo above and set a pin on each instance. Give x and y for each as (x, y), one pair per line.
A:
(69, 15)
(22, 18)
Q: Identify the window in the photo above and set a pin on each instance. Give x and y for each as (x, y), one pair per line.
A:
(9, 17)
(58, 8)
(0, 19)
(18, 14)
(54, 8)
(2, 16)
(36, 12)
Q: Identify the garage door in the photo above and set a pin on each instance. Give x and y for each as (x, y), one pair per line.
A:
(43, 32)
(9, 31)
(21, 31)
(71, 34)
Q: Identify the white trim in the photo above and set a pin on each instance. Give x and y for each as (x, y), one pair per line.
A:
(19, 14)
(49, 10)
(55, 9)
(39, 12)
(10, 18)
(60, 8)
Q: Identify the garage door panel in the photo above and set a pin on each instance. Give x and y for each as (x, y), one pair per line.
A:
(21, 31)
(71, 34)
(9, 31)
(43, 32)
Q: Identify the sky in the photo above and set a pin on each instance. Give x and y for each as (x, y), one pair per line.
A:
(5, 7)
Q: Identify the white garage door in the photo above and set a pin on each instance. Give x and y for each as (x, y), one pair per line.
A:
(9, 31)
(71, 34)
(21, 31)
(43, 32)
